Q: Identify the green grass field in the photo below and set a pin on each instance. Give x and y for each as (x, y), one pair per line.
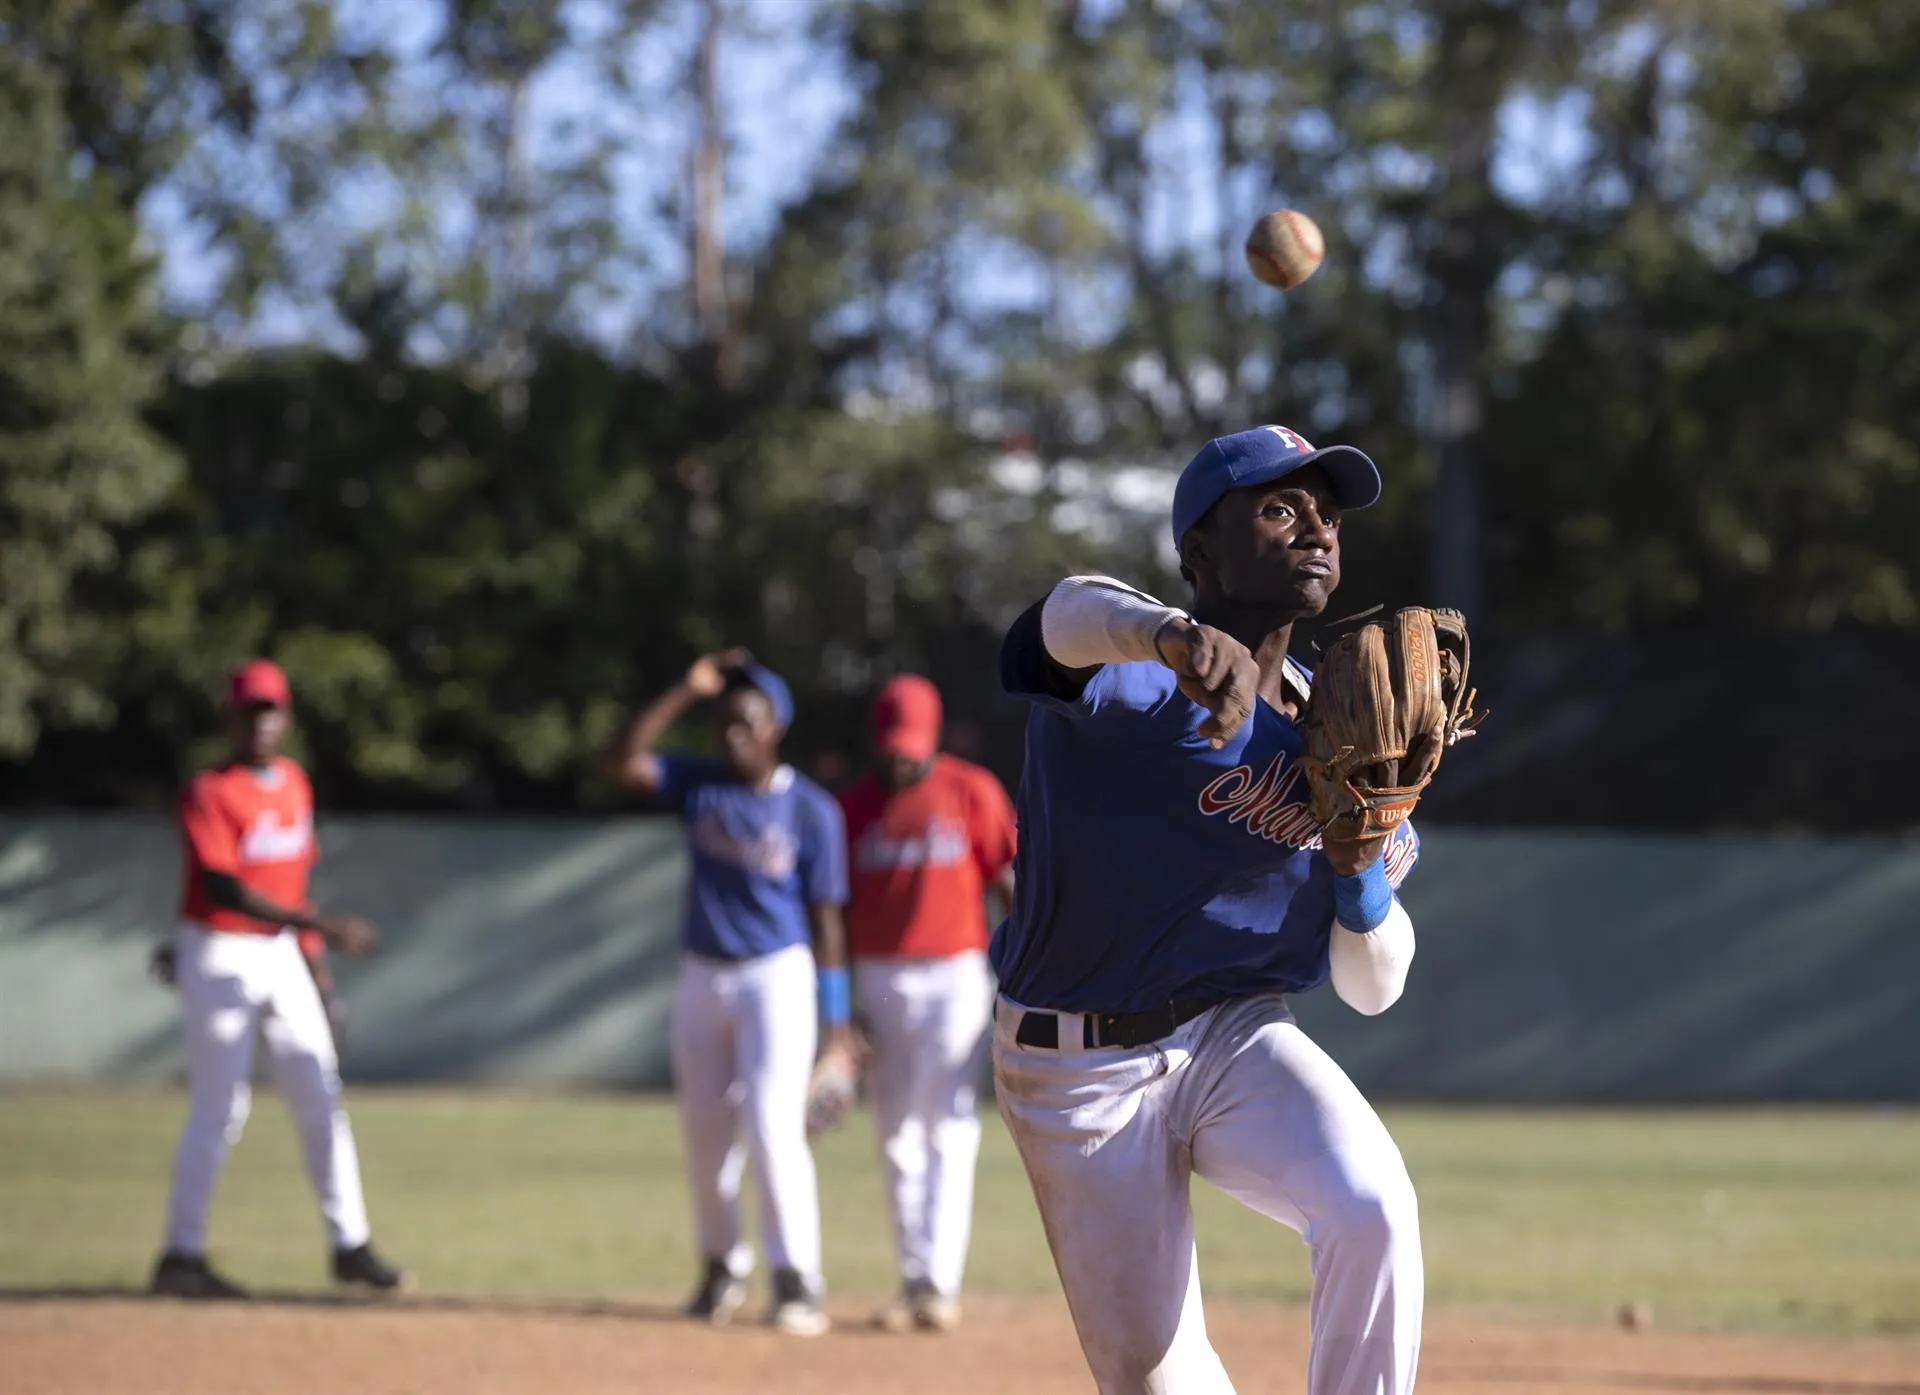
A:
(1797, 1219)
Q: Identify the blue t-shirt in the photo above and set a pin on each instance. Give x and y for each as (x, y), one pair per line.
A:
(1151, 866)
(760, 857)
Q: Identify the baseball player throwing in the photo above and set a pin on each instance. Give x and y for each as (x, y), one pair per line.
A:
(769, 875)
(1172, 886)
(929, 834)
(239, 967)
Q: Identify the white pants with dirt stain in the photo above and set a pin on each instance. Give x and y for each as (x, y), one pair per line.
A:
(743, 1040)
(1240, 1095)
(926, 1020)
(232, 987)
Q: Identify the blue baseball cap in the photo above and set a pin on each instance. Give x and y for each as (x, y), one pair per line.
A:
(1266, 453)
(775, 688)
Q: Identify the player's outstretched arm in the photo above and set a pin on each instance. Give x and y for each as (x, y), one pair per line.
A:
(1088, 621)
(1058, 647)
(629, 759)
(348, 933)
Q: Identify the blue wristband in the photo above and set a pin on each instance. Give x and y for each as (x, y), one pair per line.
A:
(836, 997)
(1363, 901)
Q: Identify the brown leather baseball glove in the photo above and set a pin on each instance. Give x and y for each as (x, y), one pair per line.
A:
(1389, 696)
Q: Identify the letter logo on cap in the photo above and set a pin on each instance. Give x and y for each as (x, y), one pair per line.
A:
(1293, 438)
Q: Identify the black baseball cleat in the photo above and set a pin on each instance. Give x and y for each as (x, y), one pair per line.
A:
(361, 1266)
(796, 1306)
(180, 1275)
(719, 1296)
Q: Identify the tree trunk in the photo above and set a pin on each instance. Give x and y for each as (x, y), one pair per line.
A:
(712, 320)
(1462, 267)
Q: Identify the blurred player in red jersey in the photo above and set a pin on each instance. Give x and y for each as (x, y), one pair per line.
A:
(238, 962)
(928, 836)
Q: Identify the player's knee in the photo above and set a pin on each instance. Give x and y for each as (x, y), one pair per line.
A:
(1133, 1371)
(1382, 1221)
(1139, 1365)
(1378, 1213)
(312, 1078)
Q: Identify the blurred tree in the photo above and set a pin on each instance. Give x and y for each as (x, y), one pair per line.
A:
(339, 163)
(80, 353)
(539, 245)
(1721, 425)
(136, 82)
(238, 119)
(1617, 293)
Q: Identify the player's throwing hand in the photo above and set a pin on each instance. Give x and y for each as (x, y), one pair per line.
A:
(1213, 669)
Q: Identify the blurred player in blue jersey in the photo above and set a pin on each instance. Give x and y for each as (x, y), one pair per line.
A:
(765, 947)
(1172, 886)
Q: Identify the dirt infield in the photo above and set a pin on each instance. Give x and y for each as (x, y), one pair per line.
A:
(125, 1346)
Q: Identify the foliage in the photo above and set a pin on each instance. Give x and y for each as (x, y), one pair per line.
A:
(1722, 426)
(1618, 294)
(79, 360)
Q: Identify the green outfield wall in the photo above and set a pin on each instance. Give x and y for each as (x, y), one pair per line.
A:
(1551, 966)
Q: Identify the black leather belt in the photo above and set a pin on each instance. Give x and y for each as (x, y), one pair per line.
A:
(1042, 1029)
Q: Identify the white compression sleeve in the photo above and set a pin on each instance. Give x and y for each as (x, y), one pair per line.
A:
(1089, 620)
(1370, 971)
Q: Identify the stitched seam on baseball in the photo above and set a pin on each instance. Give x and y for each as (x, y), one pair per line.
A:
(1306, 232)
(1282, 276)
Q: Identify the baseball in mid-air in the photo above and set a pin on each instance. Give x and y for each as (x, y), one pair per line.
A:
(1285, 248)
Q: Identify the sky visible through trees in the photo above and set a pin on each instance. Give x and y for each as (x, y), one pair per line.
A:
(485, 359)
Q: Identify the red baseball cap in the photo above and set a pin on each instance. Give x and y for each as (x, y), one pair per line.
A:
(906, 717)
(258, 683)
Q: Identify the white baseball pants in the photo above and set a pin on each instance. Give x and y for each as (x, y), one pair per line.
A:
(743, 1040)
(1110, 1138)
(232, 987)
(926, 1020)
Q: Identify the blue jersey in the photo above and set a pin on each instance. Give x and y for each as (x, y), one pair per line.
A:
(1151, 866)
(760, 857)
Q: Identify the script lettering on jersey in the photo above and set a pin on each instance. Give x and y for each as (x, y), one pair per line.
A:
(268, 840)
(772, 852)
(1272, 807)
(1402, 851)
(943, 844)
